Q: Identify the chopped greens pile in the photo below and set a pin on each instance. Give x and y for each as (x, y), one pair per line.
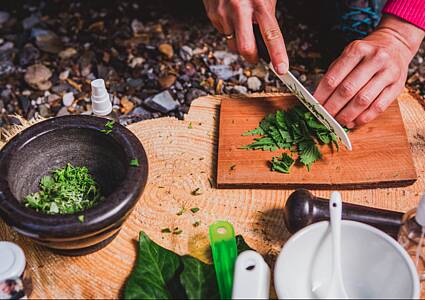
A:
(69, 190)
(296, 130)
(162, 274)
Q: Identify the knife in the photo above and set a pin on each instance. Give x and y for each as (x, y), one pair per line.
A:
(303, 94)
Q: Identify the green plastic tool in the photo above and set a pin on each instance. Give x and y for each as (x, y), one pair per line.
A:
(224, 253)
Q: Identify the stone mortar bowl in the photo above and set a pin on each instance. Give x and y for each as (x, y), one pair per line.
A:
(78, 140)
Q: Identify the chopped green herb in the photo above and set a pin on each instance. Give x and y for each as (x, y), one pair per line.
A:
(68, 190)
(196, 224)
(194, 209)
(81, 218)
(134, 162)
(181, 211)
(110, 124)
(106, 131)
(196, 192)
(297, 130)
(232, 167)
(165, 230)
(177, 231)
(190, 125)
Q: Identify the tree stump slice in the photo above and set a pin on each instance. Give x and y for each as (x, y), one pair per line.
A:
(182, 158)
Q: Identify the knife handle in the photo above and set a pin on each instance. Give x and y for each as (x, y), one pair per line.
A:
(303, 208)
(261, 45)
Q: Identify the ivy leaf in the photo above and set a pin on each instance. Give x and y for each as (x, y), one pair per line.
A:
(155, 268)
(198, 279)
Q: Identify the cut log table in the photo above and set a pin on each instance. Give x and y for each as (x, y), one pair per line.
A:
(182, 157)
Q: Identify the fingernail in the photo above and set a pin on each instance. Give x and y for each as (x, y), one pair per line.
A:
(282, 68)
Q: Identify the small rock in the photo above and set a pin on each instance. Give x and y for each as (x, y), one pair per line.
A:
(4, 17)
(163, 102)
(67, 53)
(24, 104)
(47, 40)
(240, 89)
(53, 98)
(137, 27)
(167, 81)
(68, 99)
(223, 71)
(136, 83)
(140, 111)
(260, 71)
(63, 112)
(28, 55)
(64, 75)
(226, 57)
(126, 105)
(136, 62)
(193, 94)
(37, 76)
(30, 22)
(254, 84)
(136, 115)
(60, 88)
(167, 50)
(44, 111)
(186, 53)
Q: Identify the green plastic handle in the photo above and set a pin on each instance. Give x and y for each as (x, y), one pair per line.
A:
(224, 253)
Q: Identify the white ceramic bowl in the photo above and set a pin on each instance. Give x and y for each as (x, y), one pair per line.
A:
(373, 264)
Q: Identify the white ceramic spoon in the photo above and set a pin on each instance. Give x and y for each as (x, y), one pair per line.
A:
(334, 288)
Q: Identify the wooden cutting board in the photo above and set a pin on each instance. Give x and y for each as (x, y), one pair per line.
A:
(381, 155)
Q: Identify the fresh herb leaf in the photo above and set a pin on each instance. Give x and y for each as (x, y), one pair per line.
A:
(110, 124)
(196, 192)
(232, 167)
(106, 131)
(165, 230)
(134, 162)
(181, 211)
(190, 125)
(194, 209)
(282, 163)
(68, 190)
(196, 224)
(81, 218)
(177, 231)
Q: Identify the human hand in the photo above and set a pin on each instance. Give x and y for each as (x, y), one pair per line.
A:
(370, 73)
(234, 18)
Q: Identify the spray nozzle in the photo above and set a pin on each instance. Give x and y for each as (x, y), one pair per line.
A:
(101, 103)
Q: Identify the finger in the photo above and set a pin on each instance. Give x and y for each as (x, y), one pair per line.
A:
(273, 38)
(245, 40)
(351, 85)
(339, 69)
(228, 29)
(364, 98)
(388, 95)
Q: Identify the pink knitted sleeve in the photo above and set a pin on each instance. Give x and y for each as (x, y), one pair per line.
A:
(413, 11)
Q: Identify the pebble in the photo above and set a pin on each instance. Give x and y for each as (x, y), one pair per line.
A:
(260, 71)
(240, 89)
(30, 22)
(254, 84)
(163, 102)
(64, 75)
(167, 81)
(223, 71)
(67, 53)
(193, 94)
(167, 50)
(136, 62)
(68, 99)
(28, 55)
(186, 53)
(63, 112)
(47, 40)
(24, 104)
(126, 105)
(137, 27)
(37, 76)
(44, 111)
(226, 57)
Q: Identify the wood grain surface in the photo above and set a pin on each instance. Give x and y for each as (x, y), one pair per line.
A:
(181, 160)
(381, 155)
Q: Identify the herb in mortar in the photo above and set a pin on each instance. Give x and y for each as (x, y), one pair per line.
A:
(69, 190)
(296, 130)
(162, 274)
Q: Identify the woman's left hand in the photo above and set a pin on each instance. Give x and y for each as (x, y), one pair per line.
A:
(370, 73)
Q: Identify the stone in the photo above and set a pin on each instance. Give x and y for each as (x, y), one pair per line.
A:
(136, 83)
(223, 71)
(186, 53)
(137, 27)
(193, 94)
(167, 81)
(260, 71)
(47, 40)
(24, 104)
(167, 50)
(53, 98)
(44, 111)
(37, 76)
(254, 84)
(226, 57)
(4, 17)
(136, 62)
(163, 102)
(62, 112)
(30, 22)
(64, 75)
(28, 55)
(126, 105)
(68, 99)
(67, 53)
(240, 89)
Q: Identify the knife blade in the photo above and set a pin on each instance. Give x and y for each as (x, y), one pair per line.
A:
(307, 99)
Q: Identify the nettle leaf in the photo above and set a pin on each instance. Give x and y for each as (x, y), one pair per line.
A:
(198, 279)
(155, 269)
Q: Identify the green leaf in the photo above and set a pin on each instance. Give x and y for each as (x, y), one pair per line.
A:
(81, 218)
(155, 269)
(198, 279)
(194, 209)
(282, 163)
(256, 131)
(134, 162)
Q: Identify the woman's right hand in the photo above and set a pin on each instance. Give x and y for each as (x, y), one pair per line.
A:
(234, 18)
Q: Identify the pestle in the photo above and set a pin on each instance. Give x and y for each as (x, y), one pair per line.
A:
(303, 208)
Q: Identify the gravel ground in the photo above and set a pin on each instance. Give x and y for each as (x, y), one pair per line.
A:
(155, 56)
